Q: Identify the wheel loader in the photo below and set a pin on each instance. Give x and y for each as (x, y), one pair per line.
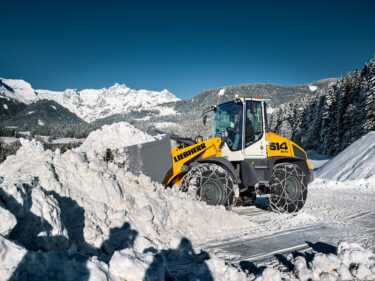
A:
(240, 160)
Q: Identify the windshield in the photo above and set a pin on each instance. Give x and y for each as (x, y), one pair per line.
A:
(254, 122)
(228, 117)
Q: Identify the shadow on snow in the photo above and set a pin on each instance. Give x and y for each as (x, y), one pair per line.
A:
(65, 258)
(318, 247)
(33, 233)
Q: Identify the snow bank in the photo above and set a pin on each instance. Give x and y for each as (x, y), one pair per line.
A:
(356, 162)
(75, 206)
(115, 136)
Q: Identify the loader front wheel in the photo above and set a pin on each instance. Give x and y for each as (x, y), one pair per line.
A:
(288, 188)
(210, 183)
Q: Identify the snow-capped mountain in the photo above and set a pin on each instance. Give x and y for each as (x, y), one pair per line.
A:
(18, 90)
(89, 104)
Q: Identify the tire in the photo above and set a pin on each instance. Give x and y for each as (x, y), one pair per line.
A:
(209, 183)
(288, 188)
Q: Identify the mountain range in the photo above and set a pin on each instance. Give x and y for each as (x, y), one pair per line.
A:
(28, 108)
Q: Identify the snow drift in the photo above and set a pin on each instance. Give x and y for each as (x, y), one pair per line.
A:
(75, 206)
(356, 162)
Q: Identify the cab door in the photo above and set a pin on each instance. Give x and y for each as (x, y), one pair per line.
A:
(254, 134)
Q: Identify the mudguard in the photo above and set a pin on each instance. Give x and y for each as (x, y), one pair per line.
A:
(301, 162)
(223, 162)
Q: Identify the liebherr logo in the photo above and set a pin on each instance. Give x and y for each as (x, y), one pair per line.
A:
(189, 152)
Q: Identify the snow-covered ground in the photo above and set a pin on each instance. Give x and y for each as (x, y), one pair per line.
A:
(8, 140)
(73, 216)
(67, 140)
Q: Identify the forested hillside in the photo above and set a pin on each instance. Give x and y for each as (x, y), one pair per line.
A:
(334, 118)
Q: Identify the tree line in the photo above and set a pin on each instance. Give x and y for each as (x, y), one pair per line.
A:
(334, 118)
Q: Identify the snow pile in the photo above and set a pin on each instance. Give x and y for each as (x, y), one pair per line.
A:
(115, 136)
(351, 262)
(356, 162)
(90, 218)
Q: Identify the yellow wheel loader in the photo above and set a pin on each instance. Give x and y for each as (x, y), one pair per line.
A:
(241, 160)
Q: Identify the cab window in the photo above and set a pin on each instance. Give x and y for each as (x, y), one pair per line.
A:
(254, 122)
(228, 118)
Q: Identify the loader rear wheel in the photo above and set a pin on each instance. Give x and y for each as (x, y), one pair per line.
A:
(288, 187)
(210, 183)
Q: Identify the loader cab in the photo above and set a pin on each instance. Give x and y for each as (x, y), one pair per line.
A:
(242, 125)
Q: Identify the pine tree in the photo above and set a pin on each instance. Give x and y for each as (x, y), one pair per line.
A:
(370, 99)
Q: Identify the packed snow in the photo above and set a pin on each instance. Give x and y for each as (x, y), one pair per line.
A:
(5, 106)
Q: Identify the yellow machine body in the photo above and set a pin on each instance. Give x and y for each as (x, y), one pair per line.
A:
(184, 155)
(279, 146)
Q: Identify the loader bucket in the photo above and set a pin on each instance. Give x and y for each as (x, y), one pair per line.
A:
(152, 159)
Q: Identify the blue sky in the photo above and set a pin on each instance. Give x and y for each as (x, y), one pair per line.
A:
(183, 46)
